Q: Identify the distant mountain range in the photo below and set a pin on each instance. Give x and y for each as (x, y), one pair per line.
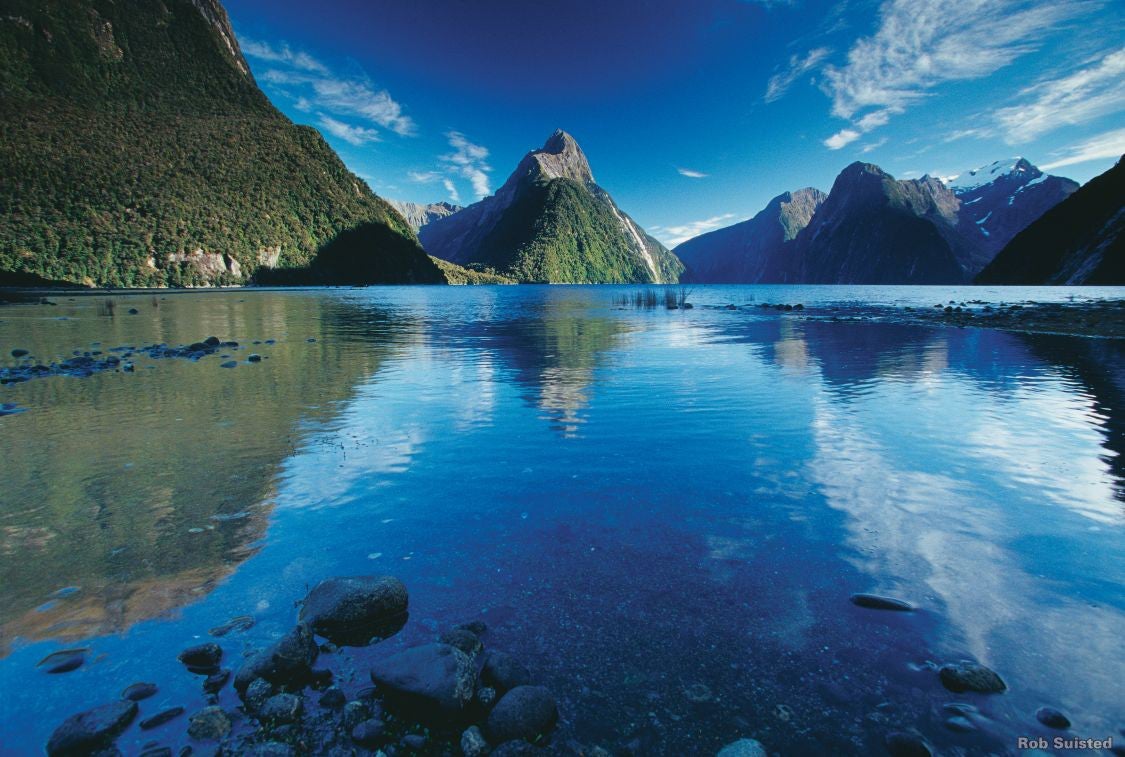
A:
(419, 215)
(137, 150)
(1081, 240)
(551, 222)
(874, 229)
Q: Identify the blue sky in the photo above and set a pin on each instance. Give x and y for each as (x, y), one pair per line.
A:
(694, 114)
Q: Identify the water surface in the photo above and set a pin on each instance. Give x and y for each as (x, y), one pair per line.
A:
(662, 512)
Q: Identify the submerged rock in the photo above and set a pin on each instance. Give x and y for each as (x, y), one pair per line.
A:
(901, 744)
(202, 657)
(504, 672)
(209, 724)
(91, 730)
(743, 748)
(370, 733)
(241, 623)
(138, 691)
(281, 708)
(216, 681)
(876, 602)
(64, 661)
(1052, 718)
(161, 718)
(433, 679)
(517, 748)
(256, 694)
(971, 676)
(473, 743)
(288, 662)
(525, 712)
(465, 640)
(355, 609)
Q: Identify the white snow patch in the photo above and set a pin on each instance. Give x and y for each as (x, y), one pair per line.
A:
(637, 238)
(986, 174)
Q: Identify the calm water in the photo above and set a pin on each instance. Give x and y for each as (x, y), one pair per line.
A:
(663, 513)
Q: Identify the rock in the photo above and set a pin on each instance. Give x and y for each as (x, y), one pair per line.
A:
(93, 729)
(288, 662)
(241, 623)
(743, 748)
(202, 657)
(876, 602)
(355, 609)
(525, 712)
(321, 678)
(478, 627)
(133, 311)
(901, 744)
(415, 741)
(215, 682)
(256, 694)
(253, 357)
(281, 708)
(19, 352)
(209, 724)
(516, 749)
(486, 697)
(333, 697)
(161, 718)
(1052, 718)
(138, 691)
(212, 341)
(63, 661)
(465, 640)
(157, 751)
(504, 672)
(271, 749)
(229, 364)
(971, 676)
(370, 733)
(473, 743)
(433, 679)
(960, 724)
(354, 714)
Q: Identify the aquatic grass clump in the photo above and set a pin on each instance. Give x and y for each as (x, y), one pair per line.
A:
(107, 307)
(673, 298)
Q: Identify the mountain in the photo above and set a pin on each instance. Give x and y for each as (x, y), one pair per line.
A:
(1000, 200)
(136, 149)
(874, 229)
(551, 222)
(757, 251)
(418, 215)
(1079, 241)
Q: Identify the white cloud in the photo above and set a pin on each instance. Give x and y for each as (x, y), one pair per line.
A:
(674, 235)
(469, 161)
(780, 83)
(423, 177)
(452, 189)
(841, 138)
(921, 44)
(1111, 144)
(315, 87)
(691, 174)
(871, 146)
(1077, 98)
(354, 135)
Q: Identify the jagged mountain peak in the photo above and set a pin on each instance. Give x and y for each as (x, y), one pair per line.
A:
(559, 158)
(1019, 168)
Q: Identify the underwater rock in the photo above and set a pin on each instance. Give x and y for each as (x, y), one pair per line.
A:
(525, 712)
(960, 724)
(241, 623)
(504, 672)
(202, 657)
(433, 679)
(216, 681)
(516, 748)
(1052, 718)
(209, 724)
(355, 713)
(486, 697)
(161, 718)
(743, 748)
(256, 694)
(415, 741)
(473, 743)
(353, 610)
(333, 697)
(288, 662)
(18, 352)
(901, 744)
(91, 730)
(465, 640)
(370, 733)
(281, 708)
(971, 676)
(138, 691)
(64, 660)
(876, 602)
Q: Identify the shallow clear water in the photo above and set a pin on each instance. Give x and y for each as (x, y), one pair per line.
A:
(637, 502)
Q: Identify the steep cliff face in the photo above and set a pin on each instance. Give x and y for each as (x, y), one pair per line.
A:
(1081, 240)
(760, 250)
(551, 222)
(873, 229)
(137, 150)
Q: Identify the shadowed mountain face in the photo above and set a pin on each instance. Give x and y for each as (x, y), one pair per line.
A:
(137, 150)
(1079, 241)
(418, 215)
(550, 222)
(760, 250)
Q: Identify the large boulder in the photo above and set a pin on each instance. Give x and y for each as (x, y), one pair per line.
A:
(288, 662)
(92, 730)
(503, 672)
(354, 610)
(525, 712)
(433, 680)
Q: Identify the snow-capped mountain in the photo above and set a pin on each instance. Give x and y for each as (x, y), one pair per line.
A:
(1001, 199)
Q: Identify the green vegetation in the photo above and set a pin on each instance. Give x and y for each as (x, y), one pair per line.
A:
(471, 274)
(558, 231)
(136, 150)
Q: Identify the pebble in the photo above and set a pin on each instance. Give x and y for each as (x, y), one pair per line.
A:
(369, 733)
(63, 661)
(161, 718)
(525, 712)
(138, 691)
(1052, 718)
(209, 724)
(281, 708)
(876, 602)
(473, 743)
(254, 358)
(971, 676)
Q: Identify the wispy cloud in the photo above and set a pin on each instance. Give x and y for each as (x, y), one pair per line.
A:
(798, 66)
(872, 146)
(467, 161)
(690, 173)
(674, 235)
(841, 139)
(921, 44)
(1076, 98)
(314, 87)
(354, 135)
(1110, 144)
